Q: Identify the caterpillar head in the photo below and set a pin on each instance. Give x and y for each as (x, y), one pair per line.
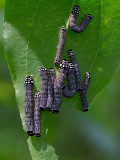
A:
(64, 64)
(51, 70)
(37, 94)
(71, 53)
(29, 80)
(88, 75)
(43, 71)
(76, 10)
(90, 16)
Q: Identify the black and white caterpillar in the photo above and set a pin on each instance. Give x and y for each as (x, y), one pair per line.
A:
(58, 85)
(61, 46)
(84, 92)
(29, 113)
(74, 18)
(37, 122)
(71, 89)
(51, 78)
(77, 70)
(44, 90)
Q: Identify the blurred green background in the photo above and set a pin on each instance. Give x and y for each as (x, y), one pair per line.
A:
(74, 135)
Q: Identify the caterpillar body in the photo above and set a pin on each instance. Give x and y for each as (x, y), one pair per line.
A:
(44, 90)
(71, 89)
(84, 92)
(37, 122)
(74, 18)
(51, 77)
(58, 86)
(77, 70)
(29, 113)
(61, 46)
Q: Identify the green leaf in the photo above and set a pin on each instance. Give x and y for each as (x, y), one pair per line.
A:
(2, 3)
(1, 33)
(31, 33)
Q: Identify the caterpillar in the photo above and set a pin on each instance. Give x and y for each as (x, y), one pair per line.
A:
(69, 92)
(74, 18)
(51, 77)
(77, 70)
(44, 90)
(84, 92)
(37, 122)
(61, 46)
(58, 86)
(29, 113)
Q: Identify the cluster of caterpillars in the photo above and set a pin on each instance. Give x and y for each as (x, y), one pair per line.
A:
(53, 90)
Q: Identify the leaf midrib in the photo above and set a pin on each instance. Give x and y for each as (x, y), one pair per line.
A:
(98, 38)
(30, 33)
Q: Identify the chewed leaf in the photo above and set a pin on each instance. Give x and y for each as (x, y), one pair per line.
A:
(31, 33)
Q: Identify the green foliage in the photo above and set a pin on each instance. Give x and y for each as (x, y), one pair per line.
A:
(31, 33)
(2, 3)
(1, 33)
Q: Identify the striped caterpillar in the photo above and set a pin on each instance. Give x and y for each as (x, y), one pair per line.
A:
(58, 86)
(74, 18)
(29, 113)
(37, 122)
(51, 77)
(61, 46)
(69, 92)
(44, 90)
(77, 70)
(84, 92)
